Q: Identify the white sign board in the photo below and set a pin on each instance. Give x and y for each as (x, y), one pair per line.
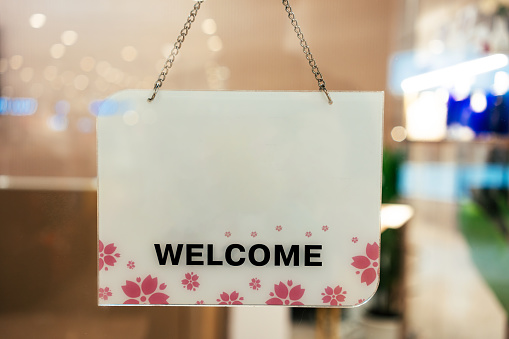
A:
(239, 198)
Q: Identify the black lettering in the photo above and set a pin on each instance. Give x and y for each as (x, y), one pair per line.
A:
(266, 255)
(190, 254)
(228, 255)
(280, 254)
(174, 257)
(308, 255)
(210, 256)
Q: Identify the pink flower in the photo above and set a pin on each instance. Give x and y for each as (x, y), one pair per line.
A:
(254, 234)
(354, 240)
(230, 299)
(325, 228)
(360, 301)
(227, 234)
(191, 281)
(104, 293)
(255, 284)
(333, 296)
(147, 292)
(130, 264)
(285, 296)
(107, 255)
(199, 302)
(368, 263)
(279, 228)
(309, 234)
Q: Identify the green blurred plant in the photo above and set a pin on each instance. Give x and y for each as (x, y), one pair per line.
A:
(392, 160)
(484, 222)
(387, 301)
(494, 7)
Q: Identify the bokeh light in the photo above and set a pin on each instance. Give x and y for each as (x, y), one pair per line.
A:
(129, 53)
(209, 26)
(26, 74)
(166, 50)
(103, 107)
(426, 118)
(62, 107)
(16, 62)
(57, 122)
(478, 102)
(50, 73)
(87, 64)
(102, 68)
(81, 82)
(398, 133)
(18, 106)
(501, 83)
(223, 73)
(57, 51)
(69, 38)
(37, 20)
(215, 43)
(85, 125)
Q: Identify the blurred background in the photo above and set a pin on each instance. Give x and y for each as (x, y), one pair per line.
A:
(443, 64)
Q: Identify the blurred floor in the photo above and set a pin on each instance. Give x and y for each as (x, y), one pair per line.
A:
(447, 297)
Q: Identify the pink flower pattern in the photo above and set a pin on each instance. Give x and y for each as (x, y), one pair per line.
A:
(107, 255)
(283, 295)
(333, 297)
(104, 293)
(230, 299)
(147, 292)
(368, 263)
(191, 281)
(228, 234)
(255, 284)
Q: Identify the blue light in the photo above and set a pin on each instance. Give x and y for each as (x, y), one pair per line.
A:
(493, 120)
(104, 107)
(4, 105)
(86, 125)
(18, 106)
(62, 107)
(58, 122)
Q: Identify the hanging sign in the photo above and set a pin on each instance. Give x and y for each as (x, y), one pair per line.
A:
(239, 198)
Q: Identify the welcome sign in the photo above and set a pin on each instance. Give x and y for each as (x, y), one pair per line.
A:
(239, 198)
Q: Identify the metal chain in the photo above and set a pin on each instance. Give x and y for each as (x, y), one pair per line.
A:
(176, 48)
(307, 50)
(187, 26)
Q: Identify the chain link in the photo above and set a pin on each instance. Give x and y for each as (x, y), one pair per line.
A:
(306, 50)
(176, 48)
(187, 26)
